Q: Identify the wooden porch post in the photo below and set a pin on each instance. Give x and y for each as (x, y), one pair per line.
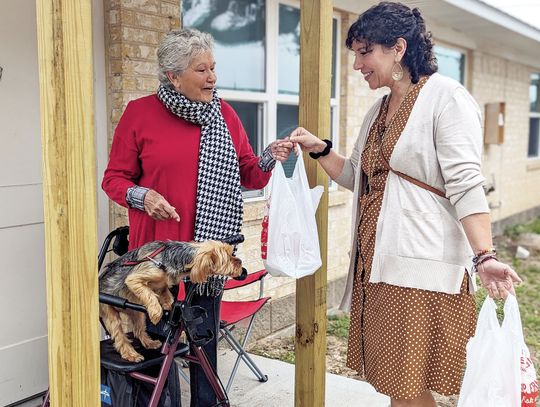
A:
(315, 79)
(64, 31)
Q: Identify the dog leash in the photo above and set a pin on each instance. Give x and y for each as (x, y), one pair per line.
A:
(149, 257)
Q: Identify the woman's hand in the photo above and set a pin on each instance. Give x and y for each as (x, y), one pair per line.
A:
(497, 278)
(280, 149)
(158, 208)
(308, 142)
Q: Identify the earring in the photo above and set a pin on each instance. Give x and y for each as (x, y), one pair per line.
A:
(397, 74)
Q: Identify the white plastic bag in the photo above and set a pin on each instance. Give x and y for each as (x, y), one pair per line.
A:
(292, 247)
(495, 355)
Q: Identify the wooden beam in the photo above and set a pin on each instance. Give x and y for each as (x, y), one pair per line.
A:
(64, 31)
(314, 115)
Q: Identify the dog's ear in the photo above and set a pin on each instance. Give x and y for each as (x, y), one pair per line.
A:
(210, 258)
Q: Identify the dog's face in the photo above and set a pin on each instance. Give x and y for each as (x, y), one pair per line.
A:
(213, 257)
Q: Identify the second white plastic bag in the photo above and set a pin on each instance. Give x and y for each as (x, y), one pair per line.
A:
(293, 242)
(499, 370)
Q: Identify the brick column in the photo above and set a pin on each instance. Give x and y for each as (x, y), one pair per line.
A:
(133, 31)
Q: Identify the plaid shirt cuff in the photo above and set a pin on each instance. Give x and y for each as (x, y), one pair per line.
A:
(135, 197)
(267, 161)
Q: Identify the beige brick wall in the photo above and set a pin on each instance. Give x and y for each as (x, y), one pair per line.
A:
(355, 99)
(338, 247)
(133, 31)
(516, 177)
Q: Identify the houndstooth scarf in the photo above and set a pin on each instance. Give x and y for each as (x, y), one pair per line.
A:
(219, 197)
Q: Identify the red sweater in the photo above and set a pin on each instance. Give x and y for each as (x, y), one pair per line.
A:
(154, 148)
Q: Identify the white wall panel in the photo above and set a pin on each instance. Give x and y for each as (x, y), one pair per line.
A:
(23, 313)
(21, 205)
(23, 308)
(14, 364)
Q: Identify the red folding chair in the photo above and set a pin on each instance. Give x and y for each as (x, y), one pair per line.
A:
(233, 312)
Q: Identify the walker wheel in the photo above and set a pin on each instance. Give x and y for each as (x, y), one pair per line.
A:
(264, 379)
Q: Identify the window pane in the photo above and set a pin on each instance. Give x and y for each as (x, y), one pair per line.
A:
(287, 121)
(238, 27)
(289, 50)
(534, 93)
(250, 115)
(451, 63)
(534, 137)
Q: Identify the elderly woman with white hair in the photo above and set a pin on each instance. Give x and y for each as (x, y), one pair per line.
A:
(178, 160)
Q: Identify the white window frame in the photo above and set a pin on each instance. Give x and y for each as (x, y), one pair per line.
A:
(270, 98)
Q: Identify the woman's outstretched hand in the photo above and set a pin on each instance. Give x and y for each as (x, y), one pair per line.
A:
(308, 142)
(281, 149)
(497, 278)
(158, 208)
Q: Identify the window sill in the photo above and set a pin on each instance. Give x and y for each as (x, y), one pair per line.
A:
(254, 210)
(533, 164)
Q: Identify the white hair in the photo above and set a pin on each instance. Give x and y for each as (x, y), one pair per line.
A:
(178, 48)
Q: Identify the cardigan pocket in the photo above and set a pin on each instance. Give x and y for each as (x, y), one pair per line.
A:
(420, 235)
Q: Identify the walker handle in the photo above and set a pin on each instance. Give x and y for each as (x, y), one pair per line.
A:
(119, 302)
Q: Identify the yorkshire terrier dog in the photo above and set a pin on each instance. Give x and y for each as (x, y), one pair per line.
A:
(144, 276)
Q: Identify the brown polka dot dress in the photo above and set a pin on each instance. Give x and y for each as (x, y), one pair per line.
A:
(404, 341)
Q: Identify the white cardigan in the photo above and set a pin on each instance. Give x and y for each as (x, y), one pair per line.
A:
(420, 242)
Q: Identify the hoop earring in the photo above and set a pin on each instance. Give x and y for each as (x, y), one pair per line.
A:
(397, 74)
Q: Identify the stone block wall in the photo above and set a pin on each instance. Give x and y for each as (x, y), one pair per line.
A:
(515, 176)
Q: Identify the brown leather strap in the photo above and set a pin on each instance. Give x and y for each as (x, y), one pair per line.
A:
(149, 257)
(416, 182)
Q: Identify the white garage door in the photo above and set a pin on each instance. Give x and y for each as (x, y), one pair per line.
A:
(23, 313)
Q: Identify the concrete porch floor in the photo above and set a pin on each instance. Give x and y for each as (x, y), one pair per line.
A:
(278, 391)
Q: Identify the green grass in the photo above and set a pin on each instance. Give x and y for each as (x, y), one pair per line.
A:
(528, 295)
(529, 227)
(481, 296)
(338, 326)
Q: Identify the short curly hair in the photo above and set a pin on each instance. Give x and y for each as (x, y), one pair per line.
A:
(387, 21)
(178, 48)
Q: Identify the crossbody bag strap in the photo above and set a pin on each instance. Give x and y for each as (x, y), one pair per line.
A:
(412, 180)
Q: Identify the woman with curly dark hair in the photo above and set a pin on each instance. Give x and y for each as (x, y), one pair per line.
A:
(422, 222)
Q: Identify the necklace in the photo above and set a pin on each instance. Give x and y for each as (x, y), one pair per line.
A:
(381, 129)
(384, 129)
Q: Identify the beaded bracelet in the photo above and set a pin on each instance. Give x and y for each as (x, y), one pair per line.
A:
(478, 260)
(491, 250)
